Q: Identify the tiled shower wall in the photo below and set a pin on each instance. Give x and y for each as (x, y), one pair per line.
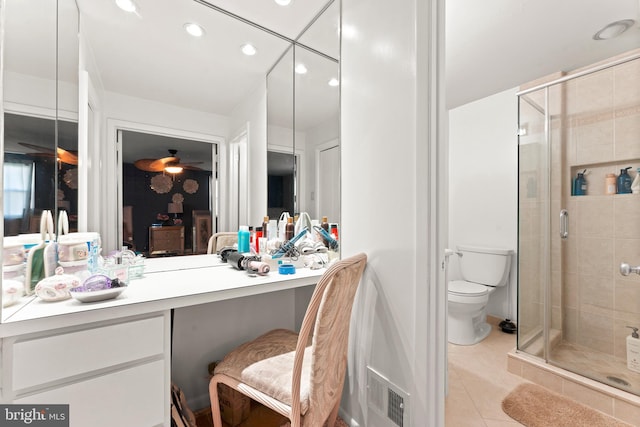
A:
(602, 135)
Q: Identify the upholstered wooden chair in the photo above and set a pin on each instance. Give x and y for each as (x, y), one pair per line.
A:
(220, 240)
(299, 375)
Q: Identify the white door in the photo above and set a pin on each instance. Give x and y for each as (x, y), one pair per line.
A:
(238, 185)
(328, 183)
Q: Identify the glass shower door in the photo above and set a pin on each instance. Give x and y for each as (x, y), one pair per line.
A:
(599, 131)
(574, 304)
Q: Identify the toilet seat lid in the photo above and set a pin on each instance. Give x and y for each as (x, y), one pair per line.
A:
(462, 287)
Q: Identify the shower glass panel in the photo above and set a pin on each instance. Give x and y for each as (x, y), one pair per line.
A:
(574, 304)
(534, 220)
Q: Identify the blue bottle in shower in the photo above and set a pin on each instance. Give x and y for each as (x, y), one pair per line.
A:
(624, 181)
(579, 184)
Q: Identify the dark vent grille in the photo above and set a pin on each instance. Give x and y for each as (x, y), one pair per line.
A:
(395, 409)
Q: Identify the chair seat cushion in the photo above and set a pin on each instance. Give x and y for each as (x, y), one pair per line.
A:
(266, 364)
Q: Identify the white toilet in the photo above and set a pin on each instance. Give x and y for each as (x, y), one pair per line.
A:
(483, 269)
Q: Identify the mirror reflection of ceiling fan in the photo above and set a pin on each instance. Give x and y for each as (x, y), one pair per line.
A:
(170, 164)
(64, 156)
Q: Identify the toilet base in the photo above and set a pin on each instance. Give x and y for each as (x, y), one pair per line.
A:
(466, 331)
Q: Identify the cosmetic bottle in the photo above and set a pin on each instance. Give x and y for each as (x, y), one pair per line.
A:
(256, 238)
(243, 239)
(624, 181)
(334, 231)
(633, 350)
(265, 227)
(289, 229)
(610, 184)
(580, 184)
(325, 225)
(635, 185)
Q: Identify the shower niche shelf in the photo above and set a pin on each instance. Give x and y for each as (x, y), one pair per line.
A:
(597, 173)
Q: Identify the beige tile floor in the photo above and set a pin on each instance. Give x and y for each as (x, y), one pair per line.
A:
(478, 381)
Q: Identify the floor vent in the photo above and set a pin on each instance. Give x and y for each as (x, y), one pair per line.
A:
(395, 410)
(387, 399)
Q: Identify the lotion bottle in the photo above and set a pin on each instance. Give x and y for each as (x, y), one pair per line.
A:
(289, 229)
(243, 239)
(611, 187)
(633, 350)
(635, 185)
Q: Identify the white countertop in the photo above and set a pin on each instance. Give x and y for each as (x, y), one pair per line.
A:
(167, 283)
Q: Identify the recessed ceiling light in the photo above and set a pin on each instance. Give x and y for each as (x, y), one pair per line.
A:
(614, 29)
(127, 5)
(301, 69)
(333, 82)
(283, 2)
(194, 29)
(248, 49)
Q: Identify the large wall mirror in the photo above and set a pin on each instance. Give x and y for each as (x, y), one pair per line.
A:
(40, 111)
(304, 129)
(91, 90)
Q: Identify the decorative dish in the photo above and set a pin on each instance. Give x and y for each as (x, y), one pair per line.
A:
(98, 288)
(84, 295)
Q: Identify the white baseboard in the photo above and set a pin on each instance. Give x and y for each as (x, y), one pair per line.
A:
(347, 418)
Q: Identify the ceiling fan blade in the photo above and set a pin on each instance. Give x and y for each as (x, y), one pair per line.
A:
(67, 156)
(159, 164)
(145, 165)
(189, 166)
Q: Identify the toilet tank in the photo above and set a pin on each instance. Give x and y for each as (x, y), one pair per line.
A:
(487, 266)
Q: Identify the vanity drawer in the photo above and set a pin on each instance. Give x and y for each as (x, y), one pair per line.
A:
(133, 397)
(54, 358)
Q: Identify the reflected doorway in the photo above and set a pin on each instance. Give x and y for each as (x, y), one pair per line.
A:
(281, 183)
(169, 187)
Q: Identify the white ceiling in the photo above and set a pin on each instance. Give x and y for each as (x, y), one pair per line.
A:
(148, 55)
(491, 45)
(495, 45)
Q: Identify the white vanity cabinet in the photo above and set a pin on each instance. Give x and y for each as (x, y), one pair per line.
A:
(111, 373)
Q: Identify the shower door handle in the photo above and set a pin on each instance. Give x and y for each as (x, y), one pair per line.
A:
(564, 224)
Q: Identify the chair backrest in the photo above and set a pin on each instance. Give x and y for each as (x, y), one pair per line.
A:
(220, 240)
(329, 315)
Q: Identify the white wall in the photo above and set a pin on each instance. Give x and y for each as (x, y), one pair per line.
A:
(38, 96)
(252, 113)
(483, 185)
(385, 197)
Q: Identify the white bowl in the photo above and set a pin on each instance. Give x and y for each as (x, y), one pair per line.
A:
(93, 296)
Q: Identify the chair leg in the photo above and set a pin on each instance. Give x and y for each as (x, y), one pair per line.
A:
(215, 403)
(331, 419)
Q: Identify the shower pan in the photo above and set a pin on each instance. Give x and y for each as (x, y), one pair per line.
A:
(574, 303)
